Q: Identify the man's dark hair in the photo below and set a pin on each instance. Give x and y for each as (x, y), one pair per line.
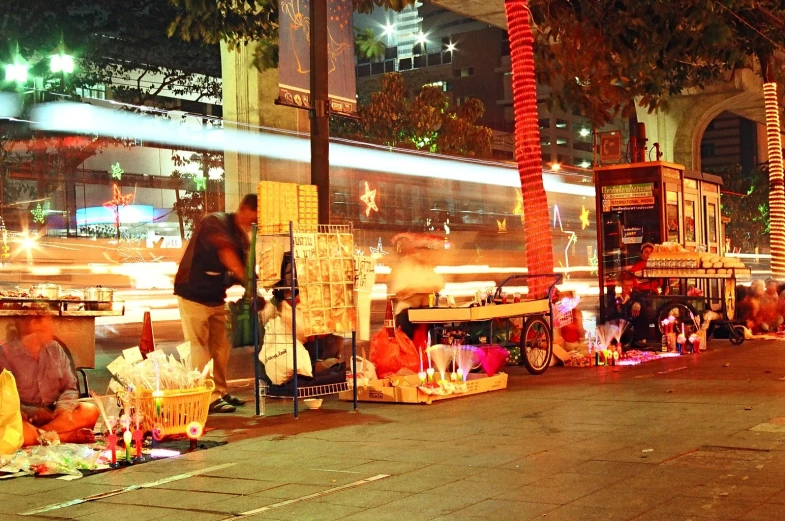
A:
(250, 201)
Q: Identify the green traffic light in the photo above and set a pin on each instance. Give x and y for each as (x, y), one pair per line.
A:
(61, 63)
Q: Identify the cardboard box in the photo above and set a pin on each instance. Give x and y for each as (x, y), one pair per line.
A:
(407, 392)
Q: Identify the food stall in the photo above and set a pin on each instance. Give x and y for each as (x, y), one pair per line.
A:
(678, 211)
(74, 316)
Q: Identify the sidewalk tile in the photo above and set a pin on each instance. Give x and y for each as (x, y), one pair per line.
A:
(362, 497)
(505, 509)
(50, 497)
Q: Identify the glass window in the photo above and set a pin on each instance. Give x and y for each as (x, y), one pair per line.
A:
(711, 221)
(560, 123)
(561, 141)
(672, 216)
(689, 221)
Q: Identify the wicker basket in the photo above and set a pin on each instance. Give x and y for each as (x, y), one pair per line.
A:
(179, 407)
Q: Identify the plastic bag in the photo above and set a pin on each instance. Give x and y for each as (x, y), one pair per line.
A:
(390, 355)
(11, 431)
(365, 370)
(277, 356)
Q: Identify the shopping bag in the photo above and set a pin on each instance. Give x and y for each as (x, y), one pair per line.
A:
(11, 433)
(241, 320)
(390, 355)
(241, 312)
(364, 369)
(277, 356)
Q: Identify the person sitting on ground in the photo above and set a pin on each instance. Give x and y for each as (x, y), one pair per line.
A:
(573, 333)
(768, 318)
(632, 306)
(46, 385)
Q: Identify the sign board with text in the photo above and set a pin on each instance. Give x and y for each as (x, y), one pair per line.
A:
(639, 196)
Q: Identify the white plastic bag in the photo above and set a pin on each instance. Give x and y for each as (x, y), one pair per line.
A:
(365, 370)
(276, 353)
(11, 430)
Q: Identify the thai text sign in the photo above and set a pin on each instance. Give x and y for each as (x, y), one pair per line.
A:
(638, 196)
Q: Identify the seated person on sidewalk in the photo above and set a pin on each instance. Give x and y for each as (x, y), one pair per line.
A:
(632, 306)
(46, 385)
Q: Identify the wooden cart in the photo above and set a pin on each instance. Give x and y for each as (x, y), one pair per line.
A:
(719, 295)
(537, 317)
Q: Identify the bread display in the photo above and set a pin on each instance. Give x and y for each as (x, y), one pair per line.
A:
(673, 259)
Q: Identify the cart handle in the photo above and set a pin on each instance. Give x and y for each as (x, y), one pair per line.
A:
(557, 278)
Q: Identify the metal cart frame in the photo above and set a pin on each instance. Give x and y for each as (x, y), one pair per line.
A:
(537, 315)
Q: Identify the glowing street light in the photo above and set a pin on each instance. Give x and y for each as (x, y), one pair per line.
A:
(16, 73)
(584, 132)
(555, 167)
(421, 39)
(450, 47)
(389, 29)
(61, 63)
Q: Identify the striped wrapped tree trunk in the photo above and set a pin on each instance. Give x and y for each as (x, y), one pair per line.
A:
(537, 233)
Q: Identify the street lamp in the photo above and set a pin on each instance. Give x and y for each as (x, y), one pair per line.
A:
(61, 63)
(16, 73)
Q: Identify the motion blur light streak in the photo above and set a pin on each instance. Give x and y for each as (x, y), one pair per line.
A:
(87, 119)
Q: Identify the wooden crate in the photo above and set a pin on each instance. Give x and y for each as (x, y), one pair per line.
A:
(408, 392)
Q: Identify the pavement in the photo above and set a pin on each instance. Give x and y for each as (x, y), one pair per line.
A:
(699, 437)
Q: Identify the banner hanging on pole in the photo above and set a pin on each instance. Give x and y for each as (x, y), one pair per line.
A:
(294, 55)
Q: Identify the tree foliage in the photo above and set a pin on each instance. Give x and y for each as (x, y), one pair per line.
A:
(423, 120)
(120, 45)
(602, 55)
(368, 45)
(745, 200)
(242, 23)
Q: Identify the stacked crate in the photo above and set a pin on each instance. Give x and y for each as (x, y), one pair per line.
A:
(308, 204)
(280, 203)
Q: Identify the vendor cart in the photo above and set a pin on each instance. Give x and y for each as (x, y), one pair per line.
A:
(535, 316)
(694, 292)
(74, 325)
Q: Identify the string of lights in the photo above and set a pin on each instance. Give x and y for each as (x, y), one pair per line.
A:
(776, 179)
(539, 249)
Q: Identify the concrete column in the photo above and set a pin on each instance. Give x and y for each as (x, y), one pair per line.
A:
(249, 103)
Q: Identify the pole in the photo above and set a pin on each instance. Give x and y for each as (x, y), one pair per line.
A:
(320, 119)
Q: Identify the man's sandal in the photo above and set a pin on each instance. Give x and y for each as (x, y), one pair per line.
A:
(220, 406)
(228, 398)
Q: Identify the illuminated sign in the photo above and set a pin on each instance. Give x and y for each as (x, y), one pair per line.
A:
(131, 214)
(639, 196)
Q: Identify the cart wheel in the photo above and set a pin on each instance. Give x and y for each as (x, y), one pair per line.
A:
(736, 336)
(536, 345)
(684, 314)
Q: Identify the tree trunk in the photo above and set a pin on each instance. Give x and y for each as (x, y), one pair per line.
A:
(776, 178)
(537, 233)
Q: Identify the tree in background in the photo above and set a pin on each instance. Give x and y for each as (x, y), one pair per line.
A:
(396, 116)
(367, 45)
(118, 45)
(241, 23)
(602, 56)
(745, 200)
